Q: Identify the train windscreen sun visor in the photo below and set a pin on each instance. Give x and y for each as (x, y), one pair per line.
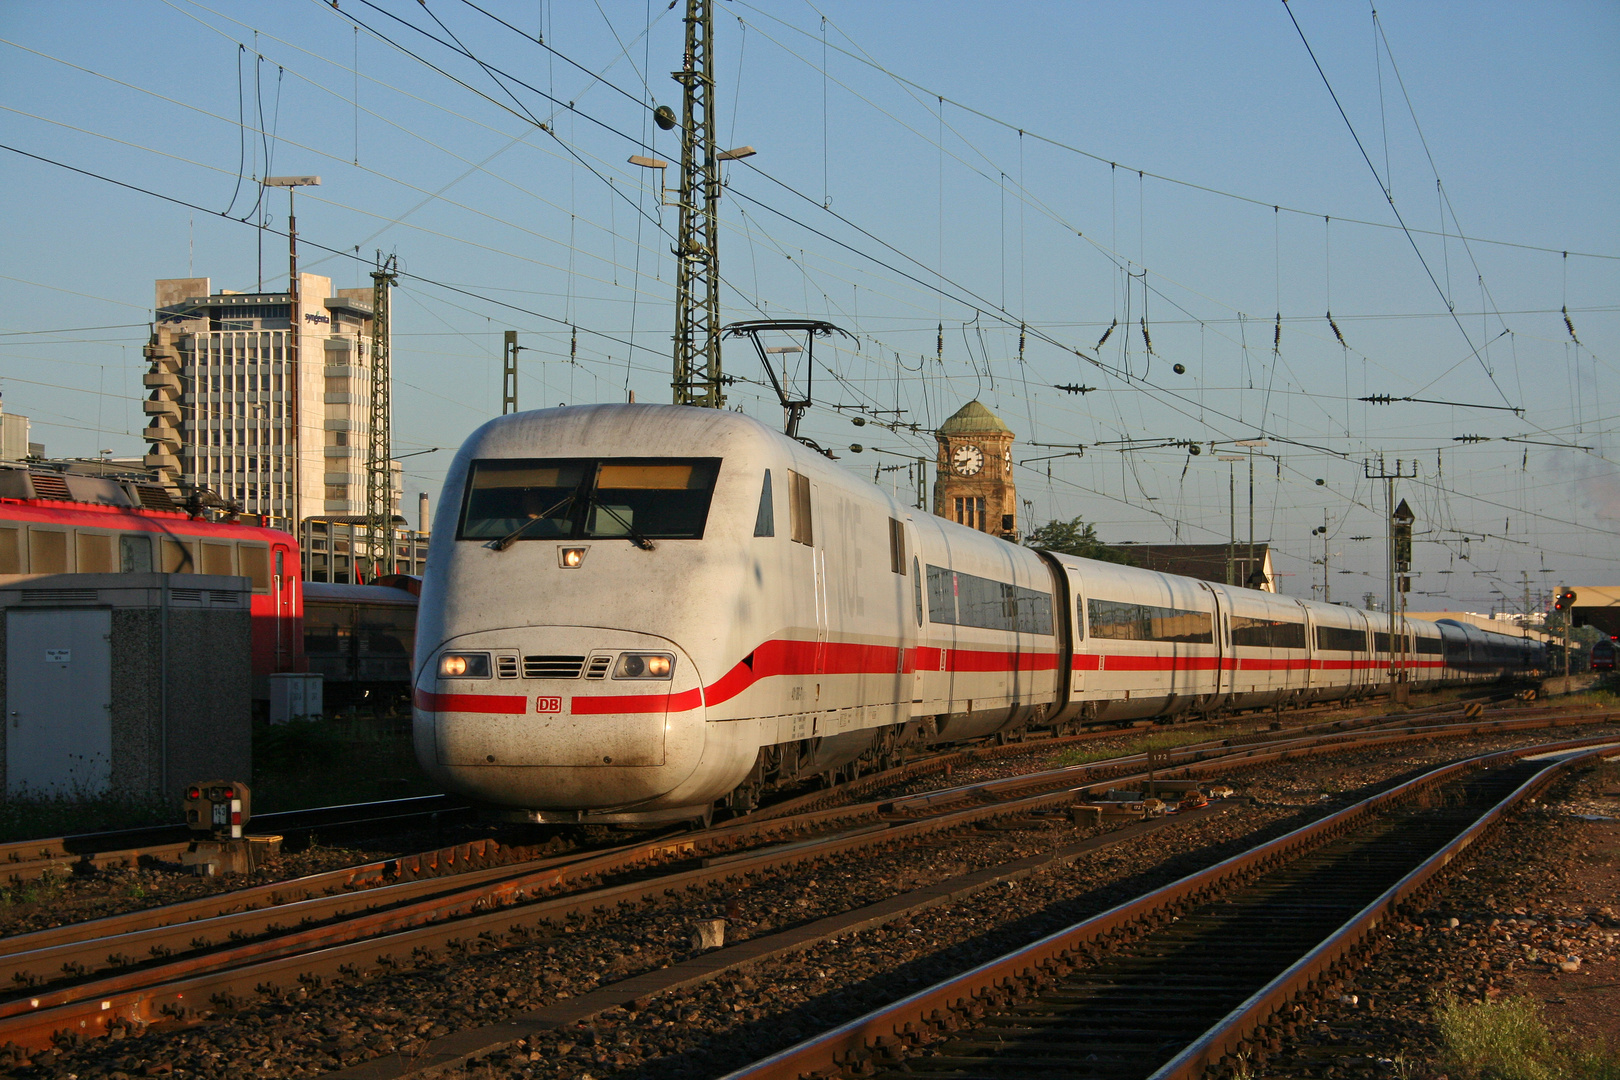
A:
(631, 498)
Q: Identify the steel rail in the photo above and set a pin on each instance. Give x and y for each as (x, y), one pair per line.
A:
(857, 1043)
(374, 940)
(1230, 1039)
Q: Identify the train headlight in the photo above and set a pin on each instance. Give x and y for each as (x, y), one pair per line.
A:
(570, 558)
(640, 665)
(464, 666)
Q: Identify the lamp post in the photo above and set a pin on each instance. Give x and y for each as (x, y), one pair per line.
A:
(294, 321)
(1250, 444)
(1322, 531)
(1231, 497)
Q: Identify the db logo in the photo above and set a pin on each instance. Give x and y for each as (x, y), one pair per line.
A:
(548, 704)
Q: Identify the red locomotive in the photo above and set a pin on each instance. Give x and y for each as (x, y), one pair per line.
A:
(65, 523)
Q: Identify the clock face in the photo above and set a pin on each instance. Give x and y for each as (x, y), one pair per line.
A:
(968, 460)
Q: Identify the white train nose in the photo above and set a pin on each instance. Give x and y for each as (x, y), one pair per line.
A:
(551, 717)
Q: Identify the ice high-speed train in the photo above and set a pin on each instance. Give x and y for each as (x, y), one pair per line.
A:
(632, 613)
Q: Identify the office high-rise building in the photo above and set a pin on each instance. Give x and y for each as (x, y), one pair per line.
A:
(272, 416)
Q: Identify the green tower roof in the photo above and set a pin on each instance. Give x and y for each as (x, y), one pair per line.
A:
(972, 417)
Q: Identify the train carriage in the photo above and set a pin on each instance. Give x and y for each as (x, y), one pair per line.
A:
(1146, 643)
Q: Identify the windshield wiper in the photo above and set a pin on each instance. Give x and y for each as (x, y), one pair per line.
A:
(630, 530)
(545, 515)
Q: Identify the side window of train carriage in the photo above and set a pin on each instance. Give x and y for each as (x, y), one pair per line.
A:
(1341, 639)
(135, 553)
(765, 518)
(1267, 633)
(255, 565)
(47, 551)
(1124, 621)
(94, 551)
(10, 552)
(177, 558)
(217, 559)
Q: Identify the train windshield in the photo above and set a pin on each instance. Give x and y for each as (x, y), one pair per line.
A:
(612, 498)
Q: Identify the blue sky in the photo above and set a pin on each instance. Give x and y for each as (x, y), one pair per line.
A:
(971, 167)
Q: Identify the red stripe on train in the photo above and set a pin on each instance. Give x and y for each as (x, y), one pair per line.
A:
(506, 704)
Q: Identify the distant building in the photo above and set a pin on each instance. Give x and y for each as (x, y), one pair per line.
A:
(247, 406)
(14, 444)
(1206, 561)
(973, 483)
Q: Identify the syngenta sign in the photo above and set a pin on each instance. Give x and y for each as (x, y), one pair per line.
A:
(310, 316)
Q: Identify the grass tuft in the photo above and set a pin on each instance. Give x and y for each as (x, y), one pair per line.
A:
(1509, 1039)
(1159, 740)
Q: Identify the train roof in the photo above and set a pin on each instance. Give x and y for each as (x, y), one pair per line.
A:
(317, 592)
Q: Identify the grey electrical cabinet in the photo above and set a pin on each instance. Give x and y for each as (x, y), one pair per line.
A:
(125, 684)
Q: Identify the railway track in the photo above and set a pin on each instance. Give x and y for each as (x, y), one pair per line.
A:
(165, 963)
(1202, 973)
(24, 860)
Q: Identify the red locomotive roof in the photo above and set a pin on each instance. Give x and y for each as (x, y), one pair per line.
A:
(95, 515)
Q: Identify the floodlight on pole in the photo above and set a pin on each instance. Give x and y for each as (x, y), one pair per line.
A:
(295, 320)
(1231, 497)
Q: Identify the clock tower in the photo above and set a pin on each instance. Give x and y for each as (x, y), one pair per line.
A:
(973, 485)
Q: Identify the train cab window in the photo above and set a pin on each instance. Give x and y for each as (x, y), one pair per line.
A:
(799, 509)
(177, 556)
(765, 519)
(897, 547)
(530, 499)
(655, 499)
(255, 563)
(95, 552)
(537, 497)
(135, 554)
(216, 559)
(10, 552)
(47, 552)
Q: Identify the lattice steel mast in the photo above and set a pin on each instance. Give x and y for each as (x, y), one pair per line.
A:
(379, 464)
(697, 255)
